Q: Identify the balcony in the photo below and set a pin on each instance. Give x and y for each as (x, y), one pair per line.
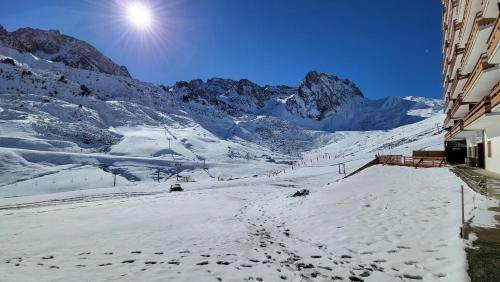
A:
(479, 110)
(483, 116)
(444, 70)
(458, 109)
(480, 32)
(455, 130)
(495, 98)
(458, 83)
(465, 18)
(489, 8)
(447, 103)
(493, 45)
(457, 55)
(453, 38)
(482, 79)
(448, 121)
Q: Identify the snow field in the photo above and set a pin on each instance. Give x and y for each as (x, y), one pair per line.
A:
(383, 224)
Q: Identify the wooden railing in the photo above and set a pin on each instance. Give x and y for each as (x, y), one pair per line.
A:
(483, 5)
(481, 65)
(456, 104)
(478, 111)
(444, 67)
(479, 21)
(495, 96)
(465, 17)
(457, 128)
(494, 38)
(447, 99)
(458, 76)
(447, 83)
(457, 51)
(457, 26)
(400, 160)
(447, 119)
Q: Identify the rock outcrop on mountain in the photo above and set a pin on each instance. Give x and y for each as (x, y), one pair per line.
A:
(317, 95)
(320, 93)
(57, 47)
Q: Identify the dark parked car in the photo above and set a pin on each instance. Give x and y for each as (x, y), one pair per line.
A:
(176, 188)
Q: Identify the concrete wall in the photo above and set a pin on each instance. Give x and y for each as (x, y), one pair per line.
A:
(493, 162)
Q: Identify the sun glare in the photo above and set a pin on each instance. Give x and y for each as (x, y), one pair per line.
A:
(139, 15)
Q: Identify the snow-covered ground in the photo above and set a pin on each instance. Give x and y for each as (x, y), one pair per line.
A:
(384, 224)
(84, 181)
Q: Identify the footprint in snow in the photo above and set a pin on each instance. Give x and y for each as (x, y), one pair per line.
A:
(414, 277)
(367, 253)
(203, 263)
(48, 257)
(136, 252)
(105, 264)
(129, 261)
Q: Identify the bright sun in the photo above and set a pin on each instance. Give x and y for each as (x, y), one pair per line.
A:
(139, 15)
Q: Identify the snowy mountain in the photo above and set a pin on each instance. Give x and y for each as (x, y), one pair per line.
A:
(63, 103)
(54, 46)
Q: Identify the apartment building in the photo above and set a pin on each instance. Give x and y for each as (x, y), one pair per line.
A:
(471, 82)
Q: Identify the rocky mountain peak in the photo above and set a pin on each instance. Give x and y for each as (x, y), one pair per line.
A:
(320, 93)
(3, 31)
(57, 47)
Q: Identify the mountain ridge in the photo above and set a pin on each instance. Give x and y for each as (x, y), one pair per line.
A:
(83, 106)
(55, 46)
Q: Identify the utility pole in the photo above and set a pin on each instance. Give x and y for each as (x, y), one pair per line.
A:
(177, 167)
(166, 135)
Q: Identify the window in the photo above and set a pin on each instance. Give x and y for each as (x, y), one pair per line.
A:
(489, 150)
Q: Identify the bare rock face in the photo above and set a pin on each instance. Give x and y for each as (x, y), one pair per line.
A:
(8, 41)
(3, 32)
(320, 93)
(57, 47)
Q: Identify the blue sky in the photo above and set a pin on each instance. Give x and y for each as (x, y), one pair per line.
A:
(387, 47)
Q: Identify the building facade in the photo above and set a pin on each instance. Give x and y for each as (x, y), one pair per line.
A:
(471, 81)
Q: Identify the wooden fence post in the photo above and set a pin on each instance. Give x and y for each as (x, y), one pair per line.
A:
(462, 233)
(463, 214)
